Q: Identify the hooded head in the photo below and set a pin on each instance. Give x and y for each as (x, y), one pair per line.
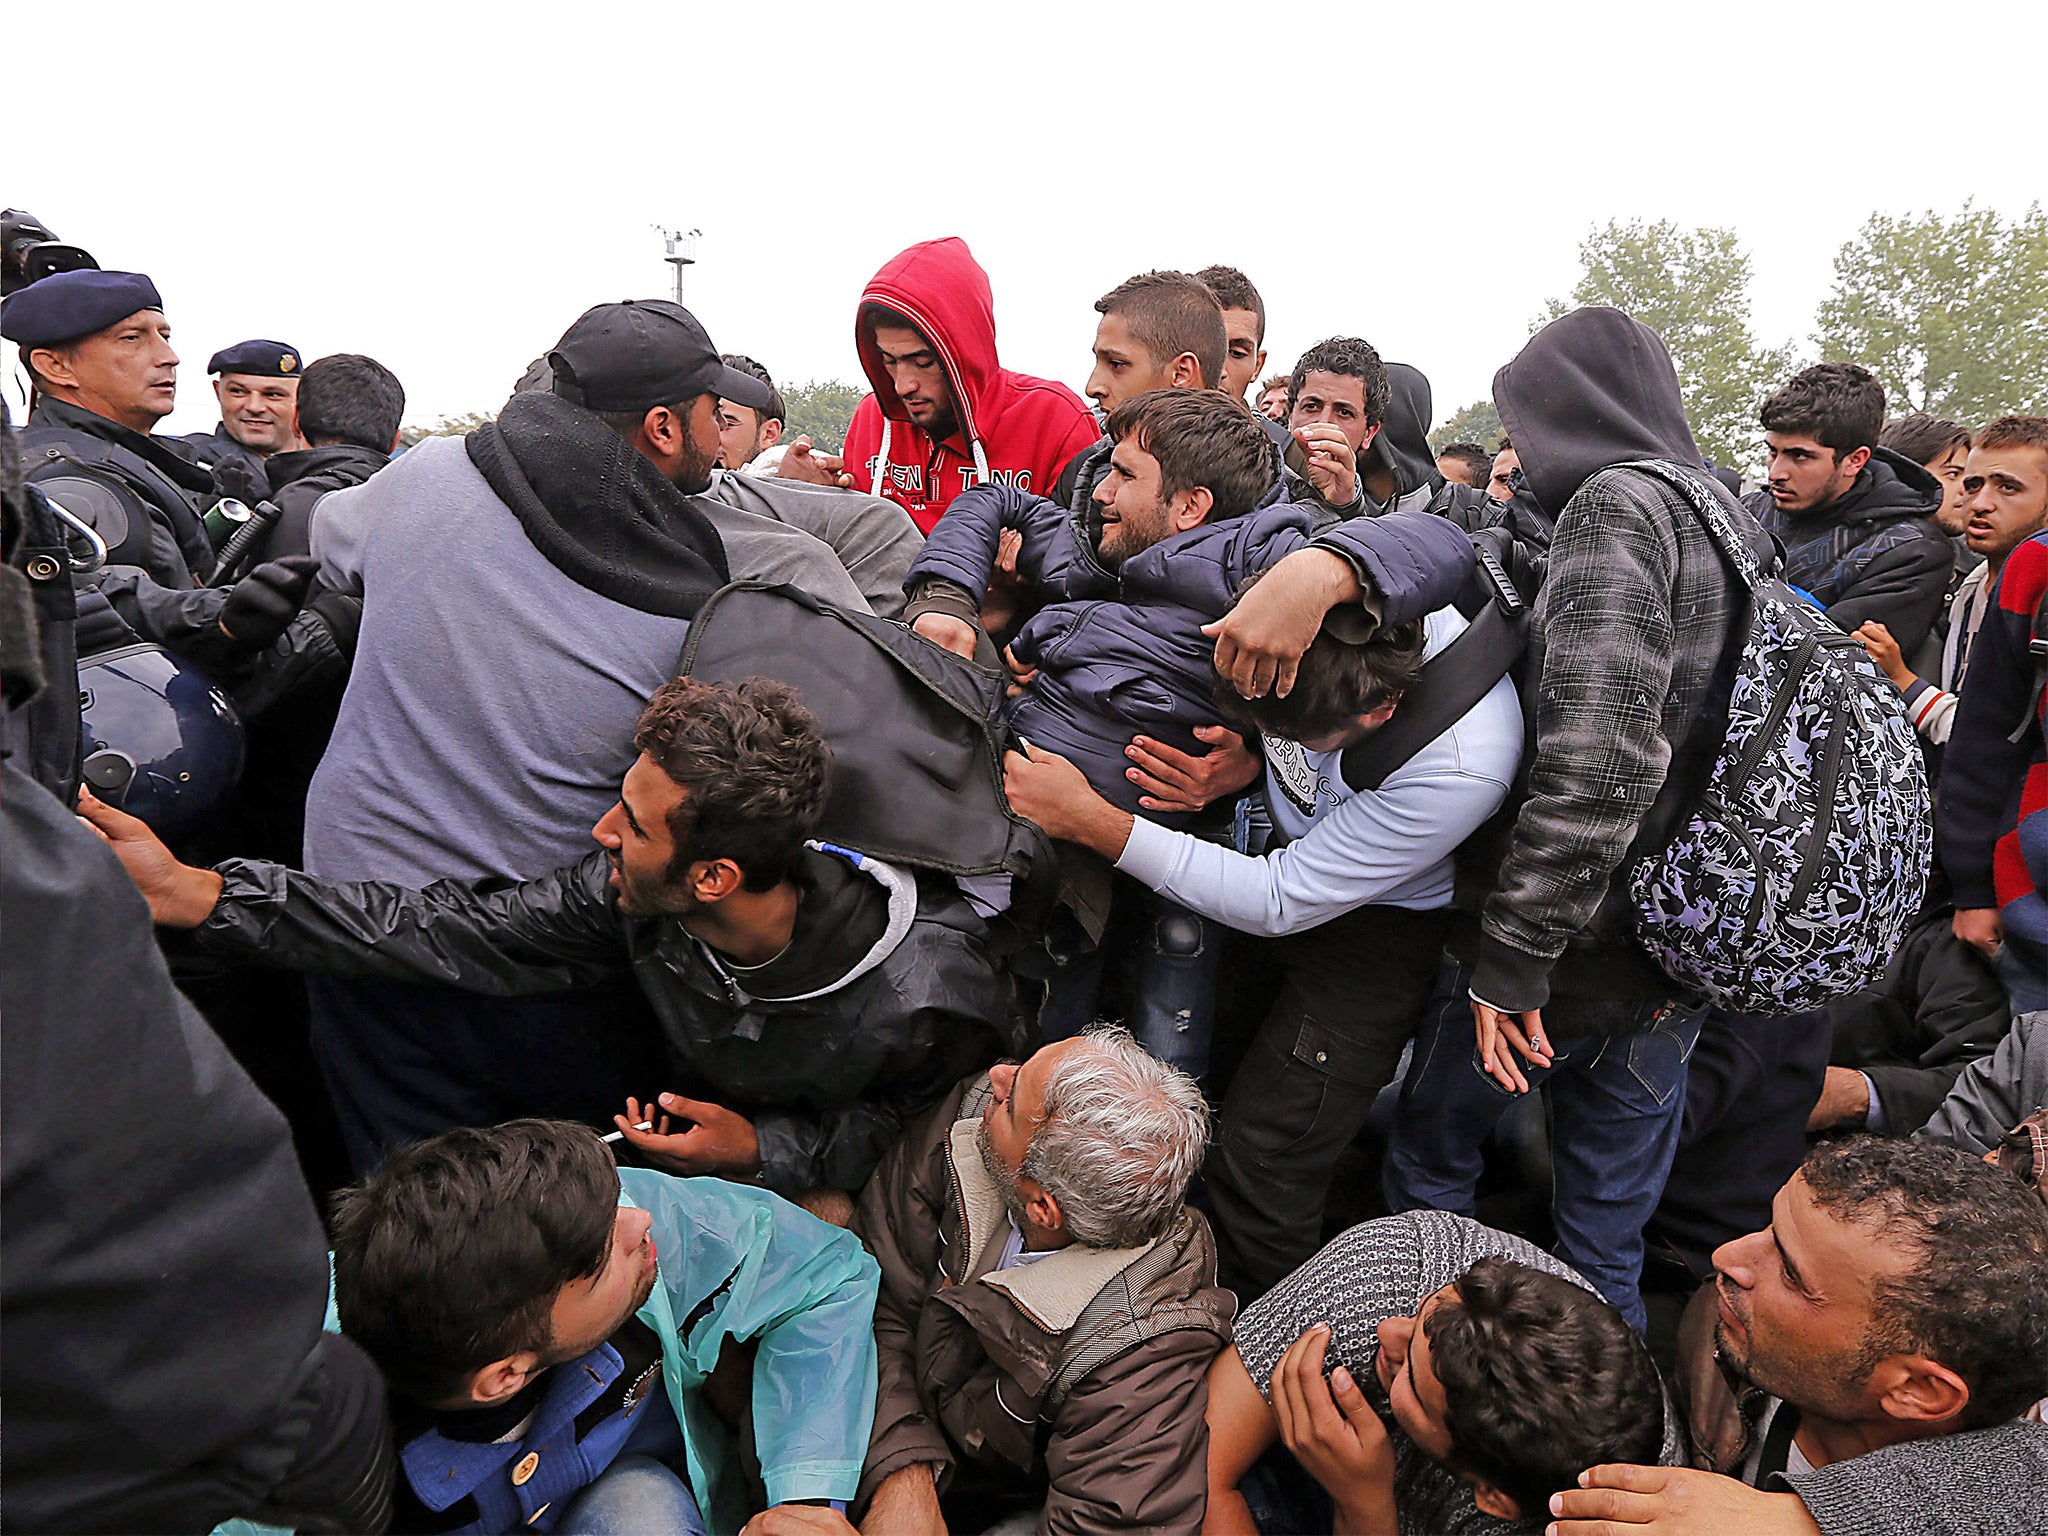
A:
(1403, 443)
(1592, 389)
(940, 289)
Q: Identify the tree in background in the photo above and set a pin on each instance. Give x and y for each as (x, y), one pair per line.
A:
(1478, 423)
(821, 408)
(1950, 314)
(446, 426)
(1690, 286)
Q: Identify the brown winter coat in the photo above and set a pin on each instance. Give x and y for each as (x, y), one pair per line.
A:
(1081, 1375)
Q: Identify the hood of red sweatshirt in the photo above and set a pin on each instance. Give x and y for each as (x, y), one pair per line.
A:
(940, 288)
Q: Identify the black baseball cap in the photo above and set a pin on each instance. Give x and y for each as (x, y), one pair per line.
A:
(642, 353)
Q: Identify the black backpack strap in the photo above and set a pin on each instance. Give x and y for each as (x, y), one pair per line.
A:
(2037, 650)
(1454, 680)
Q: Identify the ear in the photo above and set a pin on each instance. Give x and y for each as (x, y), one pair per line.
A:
(715, 879)
(1191, 508)
(771, 433)
(1852, 463)
(501, 1379)
(52, 367)
(1493, 1502)
(1259, 368)
(1380, 714)
(1371, 436)
(1186, 373)
(396, 438)
(1914, 1389)
(1041, 1206)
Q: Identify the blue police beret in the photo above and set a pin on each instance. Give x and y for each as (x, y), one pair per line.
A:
(268, 359)
(67, 305)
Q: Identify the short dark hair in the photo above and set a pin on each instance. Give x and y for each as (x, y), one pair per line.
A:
(452, 1253)
(753, 768)
(1201, 438)
(1924, 439)
(1502, 447)
(1170, 313)
(1472, 456)
(777, 410)
(2015, 432)
(1335, 682)
(1234, 290)
(1270, 381)
(1838, 405)
(1346, 355)
(626, 423)
(873, 314)
(350, 398)
(1974, 1302)
(1542, 1379)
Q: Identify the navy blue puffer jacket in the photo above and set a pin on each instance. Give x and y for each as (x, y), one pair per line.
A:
(1121, 654)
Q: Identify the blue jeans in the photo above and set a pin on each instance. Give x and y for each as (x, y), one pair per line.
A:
(634, 1495)
(1616, 1102)
(1168, 956)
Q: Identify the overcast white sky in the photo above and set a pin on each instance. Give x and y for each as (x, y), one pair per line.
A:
(446, 186)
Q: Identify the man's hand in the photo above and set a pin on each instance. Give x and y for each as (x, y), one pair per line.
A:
(1497, 1031)
(1332, 462)
(803, 462)
(1673, 1501)
(1334, 1433)
(799, 1520)
(1174, 781)
(1006, 589)
(1260, 642)
(1884, 650)
(179, 896)
(1021, 672)
(262, 603)
(716, 1140)
(1980, 928)
(906, 1504)
(1044, 787)
(1844, 1100)
(947, 632)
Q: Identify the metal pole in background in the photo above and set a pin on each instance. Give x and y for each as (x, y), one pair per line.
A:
(682, 252)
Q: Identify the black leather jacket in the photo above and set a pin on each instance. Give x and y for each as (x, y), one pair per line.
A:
(830, 1079)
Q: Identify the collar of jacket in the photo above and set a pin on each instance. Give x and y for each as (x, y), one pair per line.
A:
(1051, 1292)
(180, 471)
(443, 1470)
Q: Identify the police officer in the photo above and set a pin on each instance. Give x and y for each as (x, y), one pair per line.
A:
(257, 385)
(98, 347)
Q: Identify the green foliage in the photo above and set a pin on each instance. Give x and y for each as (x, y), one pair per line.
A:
(1690, 286)
(1478, 423)
(446, 426)
(822, 408)
(1950, 314)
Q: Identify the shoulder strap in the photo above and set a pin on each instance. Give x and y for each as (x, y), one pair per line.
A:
(2037, 651)
(1452, 682)
(1734, 549)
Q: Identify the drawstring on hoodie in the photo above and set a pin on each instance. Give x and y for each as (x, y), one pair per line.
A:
(882, 460)
(981, 474)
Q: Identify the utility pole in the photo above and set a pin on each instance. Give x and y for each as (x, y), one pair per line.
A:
(682, 252)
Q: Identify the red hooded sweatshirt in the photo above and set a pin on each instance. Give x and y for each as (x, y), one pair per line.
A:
(1012, 428)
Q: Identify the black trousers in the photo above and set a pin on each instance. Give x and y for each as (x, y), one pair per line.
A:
(405, 1062)
(1351, 992)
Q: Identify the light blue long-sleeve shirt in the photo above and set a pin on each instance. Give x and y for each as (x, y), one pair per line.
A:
(1351, 848)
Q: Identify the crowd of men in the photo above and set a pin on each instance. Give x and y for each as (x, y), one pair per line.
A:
(1110, 989)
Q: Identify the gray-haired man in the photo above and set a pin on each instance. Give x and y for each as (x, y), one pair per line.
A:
(1049, 1304)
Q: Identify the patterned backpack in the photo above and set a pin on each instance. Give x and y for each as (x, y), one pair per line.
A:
(1807, 855)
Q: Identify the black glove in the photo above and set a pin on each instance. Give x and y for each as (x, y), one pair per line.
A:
(262, 603)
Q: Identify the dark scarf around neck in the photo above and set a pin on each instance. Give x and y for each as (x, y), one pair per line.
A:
(597, 508)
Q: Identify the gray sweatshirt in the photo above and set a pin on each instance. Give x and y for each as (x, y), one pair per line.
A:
(490, 709)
